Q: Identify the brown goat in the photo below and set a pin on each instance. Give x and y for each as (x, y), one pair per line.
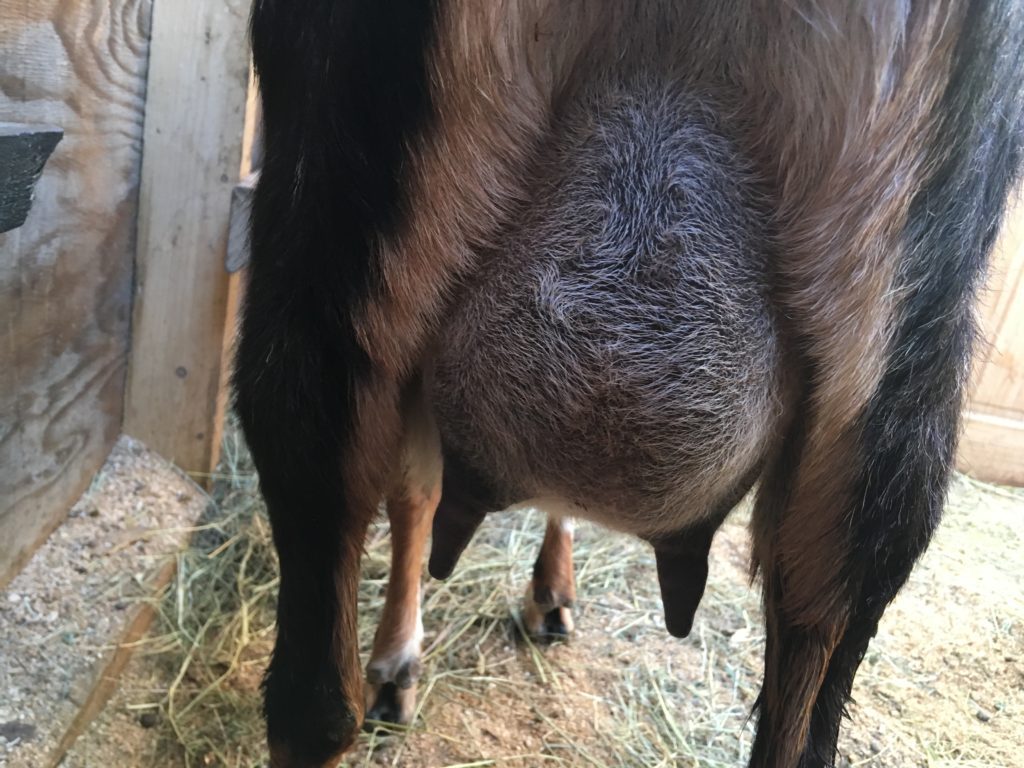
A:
(620, 259)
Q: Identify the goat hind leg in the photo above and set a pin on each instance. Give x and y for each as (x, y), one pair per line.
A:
(831, 564)
(547, 604)
(300, 437)
(908, 445)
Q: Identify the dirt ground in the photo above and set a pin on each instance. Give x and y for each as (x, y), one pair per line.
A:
(943, 683)
(82, 592)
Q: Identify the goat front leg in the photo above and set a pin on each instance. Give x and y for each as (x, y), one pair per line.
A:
(394, 666)
(550, 595)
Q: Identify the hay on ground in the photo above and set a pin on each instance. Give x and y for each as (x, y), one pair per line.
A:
(940, 687)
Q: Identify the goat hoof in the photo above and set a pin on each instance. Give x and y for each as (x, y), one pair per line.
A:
(392, 704)
(391, 690)
(309, 731)
(558, 623)
(547, 615)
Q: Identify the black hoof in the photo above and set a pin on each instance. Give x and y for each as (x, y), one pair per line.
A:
(554, 627)
(385, 709)
(310, 729)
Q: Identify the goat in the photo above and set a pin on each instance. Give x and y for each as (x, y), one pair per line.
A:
(625, 258)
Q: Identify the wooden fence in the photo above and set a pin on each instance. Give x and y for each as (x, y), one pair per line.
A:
(116, 303)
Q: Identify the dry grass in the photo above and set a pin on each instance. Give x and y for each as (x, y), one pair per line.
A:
(942, 685)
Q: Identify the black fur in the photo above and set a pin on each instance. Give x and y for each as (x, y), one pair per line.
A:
(909, 432)
(335, 143)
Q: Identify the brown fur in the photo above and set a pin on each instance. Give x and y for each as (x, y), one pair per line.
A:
(346, 586)
(554, 583)
(839, 236)
(795, 665)
(379, 407)
(400, 626)
(841, 207)
(834, 101)
(496, 71)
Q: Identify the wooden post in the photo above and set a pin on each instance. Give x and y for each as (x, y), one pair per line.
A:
(185, 300)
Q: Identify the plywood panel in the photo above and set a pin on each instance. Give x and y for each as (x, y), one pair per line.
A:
(184, 298)
(999, 386)
(66, 274)
(992, 447)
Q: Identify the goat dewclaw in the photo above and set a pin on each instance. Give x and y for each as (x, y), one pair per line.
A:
(619, 260)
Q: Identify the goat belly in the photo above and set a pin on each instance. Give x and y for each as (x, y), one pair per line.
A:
(618, 349)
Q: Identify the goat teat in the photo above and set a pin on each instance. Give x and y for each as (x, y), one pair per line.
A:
(682, 560)
(455, 522)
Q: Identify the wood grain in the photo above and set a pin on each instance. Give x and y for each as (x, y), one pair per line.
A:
(72, 617)
(66, 275)
(199, 70)
(992, 449)
(999, 383)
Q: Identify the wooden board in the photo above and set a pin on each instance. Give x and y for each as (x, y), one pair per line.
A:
(24, 150)
(199, 70)
(992, 447)
(66, 275)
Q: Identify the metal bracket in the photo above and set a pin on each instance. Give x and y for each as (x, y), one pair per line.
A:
(24, 150)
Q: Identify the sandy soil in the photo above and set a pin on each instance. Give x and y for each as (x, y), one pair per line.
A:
(63, 615)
